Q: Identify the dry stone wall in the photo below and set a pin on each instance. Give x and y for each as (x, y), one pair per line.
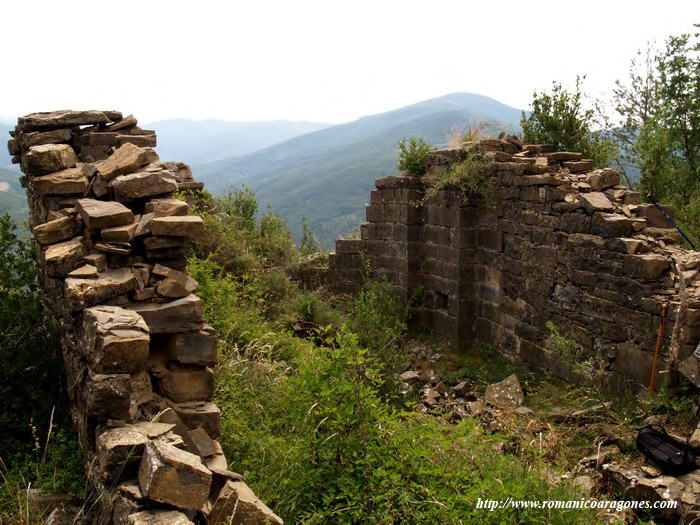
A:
(557, 242)
(111, 241)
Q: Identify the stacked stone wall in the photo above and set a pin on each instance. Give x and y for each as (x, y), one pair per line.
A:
(556, 242)
(111, 240)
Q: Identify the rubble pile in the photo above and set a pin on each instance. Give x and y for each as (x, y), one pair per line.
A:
(111, 241)
(559, 242)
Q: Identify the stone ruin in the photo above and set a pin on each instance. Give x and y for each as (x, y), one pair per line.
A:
(558, 242)
(111, 242)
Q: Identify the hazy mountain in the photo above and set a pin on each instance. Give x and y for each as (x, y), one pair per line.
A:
(326, 175)
(5, 128)
(197, 141)
(12, 196)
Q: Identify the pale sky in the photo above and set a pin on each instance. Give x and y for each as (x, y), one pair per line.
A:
(324, 60)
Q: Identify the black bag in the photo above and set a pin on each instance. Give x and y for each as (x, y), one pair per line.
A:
(668, 453)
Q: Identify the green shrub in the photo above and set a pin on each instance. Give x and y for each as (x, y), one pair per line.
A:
(471, 176)
(413, 153)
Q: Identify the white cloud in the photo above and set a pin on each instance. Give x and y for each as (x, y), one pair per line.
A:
(312, 60)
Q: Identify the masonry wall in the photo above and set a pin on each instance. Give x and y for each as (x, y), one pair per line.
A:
(558, 242)
(111, 242)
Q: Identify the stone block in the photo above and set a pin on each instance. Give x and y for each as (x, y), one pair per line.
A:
(126, 159)
(96, 259)
(38, 138)
(59, 259)
(40, 160)
(124, 233)
(193, 348)
(56, 230)
(182, 385)
(236, 503)
(64, 119)
(204, 415)
(177, 226)
(108, 396)
(596, 201)
(103, 214)
(166, 207)
(71, 181)
(611, 225)
(87, 292)
(182, 315)
(646, 267)
(115, 340)
(142, 184)
(173, 476)
(119, 452)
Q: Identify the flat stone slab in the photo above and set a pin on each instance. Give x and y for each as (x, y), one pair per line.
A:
(182, 315)
(173, 476)
(187, 226)
(40, 160)
(507, 393)
(142, 184)
(126, 159)
(166, 207)
(108, 284)
(61, 258)
(56, 230)
(71, 181)
(66, 118)
(103, 214)
(596, 201)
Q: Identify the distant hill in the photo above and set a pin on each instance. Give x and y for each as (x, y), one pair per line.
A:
(5, 128)
(12, 197)
(197, 141)
(326, 175)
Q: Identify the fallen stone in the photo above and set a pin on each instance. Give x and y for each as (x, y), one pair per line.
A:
(185, 384)
(64, 119)
(40, 160)
(193, 348)
(126, 159)
(175, 284)
(103, 214)
(40, 503)
(182, 315)
(126, 122)
(204, 443)
(204, 415)
(186, 226)
(61, 258)
(158, 517)
(96, 259)
(585, 483)
(119, 452)
(603, 179)
(690, 369)
(71, 181)
(143, 184)
(507, 393)
(56, 230)
(236, 503)
(170, 475)
(115, 340)
(110, 283)
(596, 201)
(124, 233)
(66, 514)
(410, 376)
(86, 271)
(166, 207)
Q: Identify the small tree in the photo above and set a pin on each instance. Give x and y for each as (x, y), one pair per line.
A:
(559, 118)
(413, 154)
(309, 242)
